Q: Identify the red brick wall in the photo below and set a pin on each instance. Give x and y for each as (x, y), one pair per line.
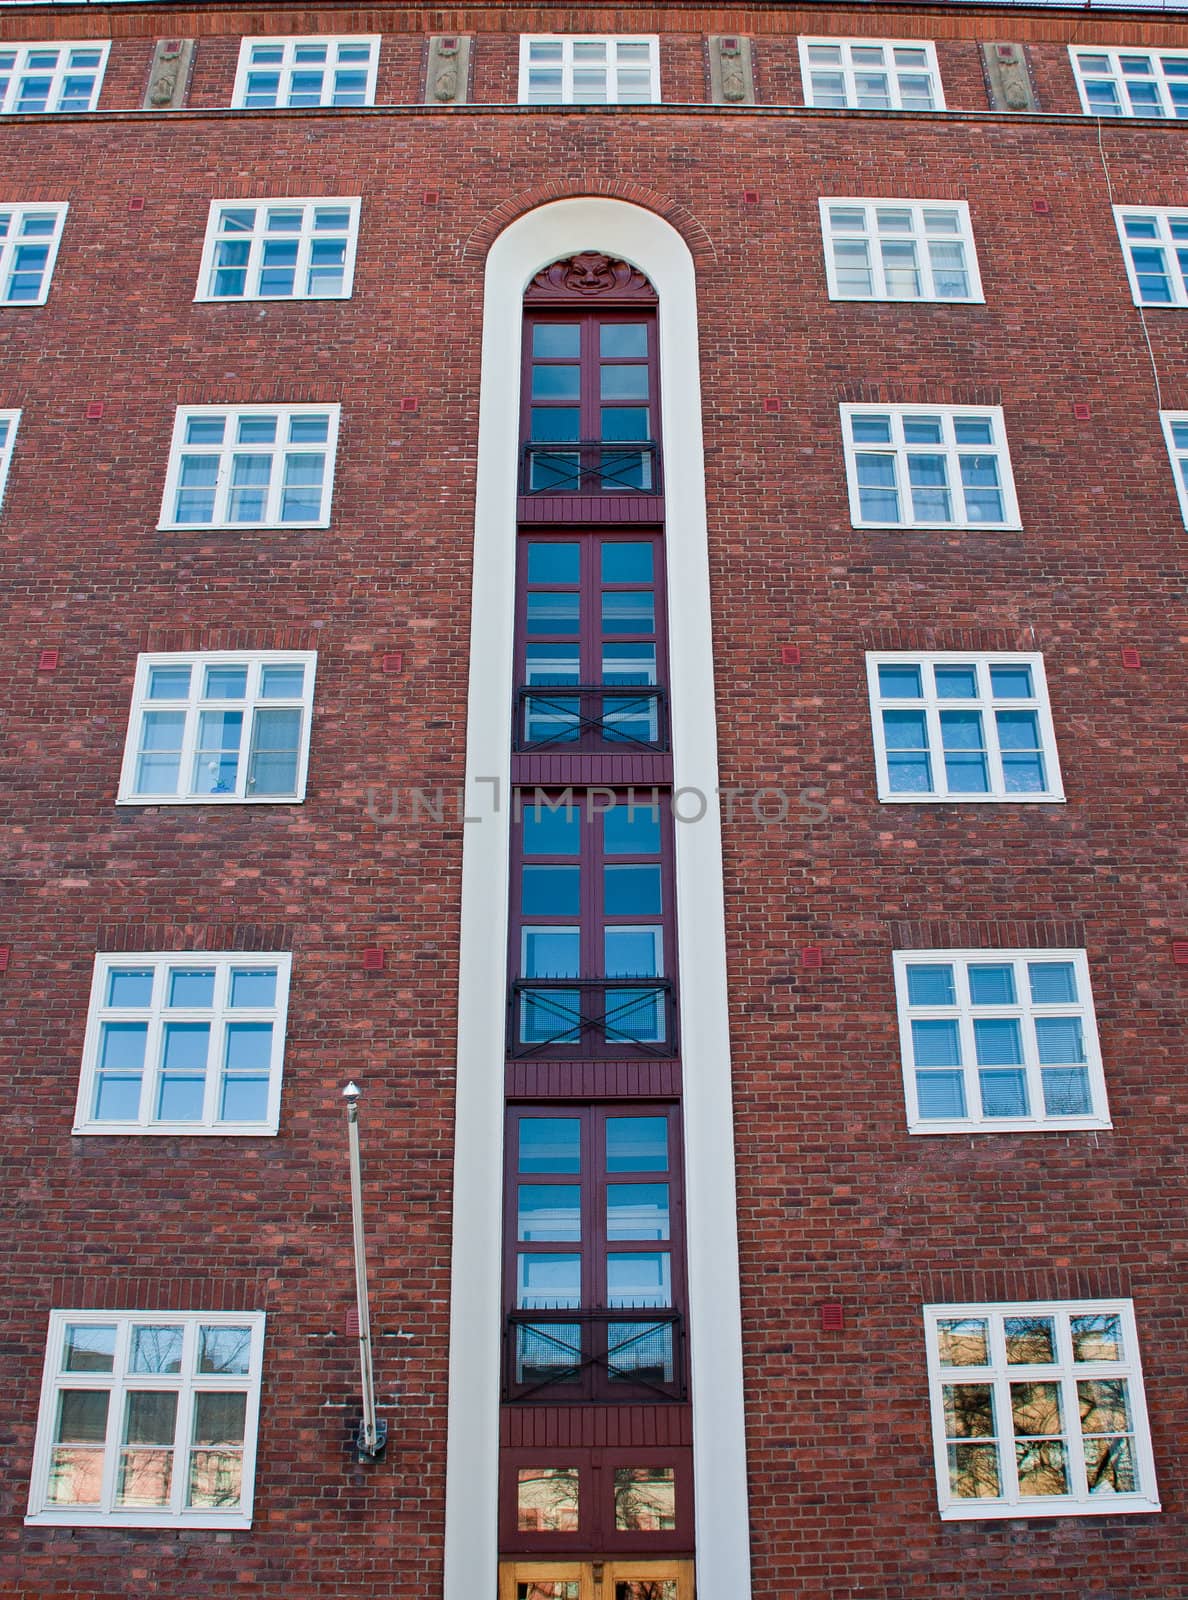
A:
(836, 1200)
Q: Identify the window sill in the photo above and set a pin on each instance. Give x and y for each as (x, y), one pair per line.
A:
(271, 299)
(210, 800)
(1015, 1125)
(1106, 1506)
(175, 1130)
(971, 799)
(239, 527)
(132, 1520)
(937, 527)
(907, 300)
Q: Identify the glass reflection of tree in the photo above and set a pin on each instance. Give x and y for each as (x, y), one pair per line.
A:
(644, 1499)
(548, 1500)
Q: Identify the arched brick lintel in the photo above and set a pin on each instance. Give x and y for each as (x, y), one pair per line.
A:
(488, 229)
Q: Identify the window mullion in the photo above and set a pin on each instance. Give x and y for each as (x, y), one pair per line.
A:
(969, 1053)
(936, 747)
(276, 472)
(255, 257)
(226, 456)
(113, 1438)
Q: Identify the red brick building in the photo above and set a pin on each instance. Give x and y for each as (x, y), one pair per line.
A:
(610, 576)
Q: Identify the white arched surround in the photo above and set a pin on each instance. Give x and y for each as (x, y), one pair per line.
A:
(633, 234)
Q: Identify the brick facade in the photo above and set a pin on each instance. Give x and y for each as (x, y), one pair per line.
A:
(836, 1201)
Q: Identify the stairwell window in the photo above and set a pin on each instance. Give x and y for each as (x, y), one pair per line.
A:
(998, 1041)
(29, 240)
(928, 467)
(1038, 1410)
(307, 72)
(572, 69)
(1155, 248)
(899, 250)
(279, 250)
(148, 1419)
(184, 1044)
(9, 421)
(221, 728)
(251, 467)
(962, 726)
(1175, 430)
(871, 74)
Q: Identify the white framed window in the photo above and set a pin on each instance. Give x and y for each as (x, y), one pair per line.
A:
(52, 77)
(279, 250)
(1155, 246)
(29, 240)
(307, 71)
(589, 69)
(928, 467)
(957, 725)
(899, 250)
(223, 727)
(251, 467)
(871, 74)
(9, 422)
(1038, 1410)
(998, 1041)
(148, 1419)
(1132, 83)
(190, 1042)
(1175, 431)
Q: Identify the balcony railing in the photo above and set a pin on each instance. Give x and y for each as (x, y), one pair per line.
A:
(632, 1353)
(591, 716)
(591, 466)
(604, 1015)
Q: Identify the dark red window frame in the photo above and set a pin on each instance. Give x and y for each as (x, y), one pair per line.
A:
(596, 1533)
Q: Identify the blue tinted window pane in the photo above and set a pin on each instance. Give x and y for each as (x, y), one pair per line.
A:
(637, 1144)
(556, 383)
(117, 1099)
(639, 1279)
(899, 683)
(552, 833)
(628, 611)
(940, 1094)
(169, 683)
(553, 613)
(633, 830)
(1018, 730)
(550, 1144)
(244, 1100)
(186, 1046)
(549, 1212)
(249, 1046)
(1059, 1040)
(556, 424)
(557, 339)
(1052, 982)
(180, 1099)
(631, 891)
(623, 339)
(905, 730)
(997, 1041)
(129, 986)
(122, 1047)
(637, 1211)
(627, 563)
(1066, 1092)
(931, 986)
(1011, 683)
(1004, 1094)
(191, 986)
(956, 683)
(547, 1282)
(554, 563)
(1023, 774)
(551, 891)
(936, 1043)
(991, 985)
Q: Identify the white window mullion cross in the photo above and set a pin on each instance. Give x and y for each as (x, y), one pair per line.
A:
(295, 249)
(928, 467)
(56, 77)
(251, 467)
(998, 1041)
(1132, 83)
(180, 1396)
(871, 74)
(307, 71)
(29, 240)
(579, 69)
(954, 725)
(899, 250)
(1155, 249)
(1023, 1395)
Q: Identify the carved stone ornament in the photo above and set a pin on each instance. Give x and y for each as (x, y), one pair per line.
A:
(169, 75)
(448, 72)
(732, 82)
(588, 275)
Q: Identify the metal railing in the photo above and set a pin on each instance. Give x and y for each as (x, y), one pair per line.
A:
(591, 716)
(591, 466)
(627, 1353)
(607, 1015)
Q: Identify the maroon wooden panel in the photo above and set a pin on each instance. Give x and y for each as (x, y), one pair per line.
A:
(593, 1080)
(595, 1427)
(556, 767)
(572, 509)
